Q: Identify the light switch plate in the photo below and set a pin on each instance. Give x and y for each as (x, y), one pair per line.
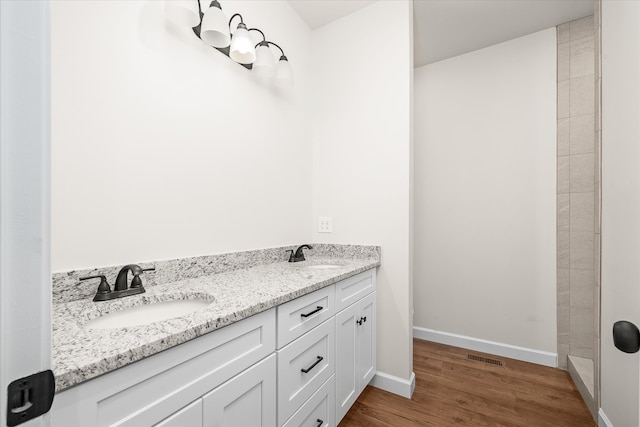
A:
(324, 224)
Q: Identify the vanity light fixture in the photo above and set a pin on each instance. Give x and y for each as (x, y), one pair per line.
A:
(212, 27)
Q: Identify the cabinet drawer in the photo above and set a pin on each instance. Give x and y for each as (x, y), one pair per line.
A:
(354, 288)
(303, 314)
(314, 353)
(319, 410)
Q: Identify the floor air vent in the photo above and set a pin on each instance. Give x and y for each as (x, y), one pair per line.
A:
(486, 360)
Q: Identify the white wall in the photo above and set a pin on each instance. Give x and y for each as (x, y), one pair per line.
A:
(164, 148)
(361, 155)
(485, 193)
(620, 285)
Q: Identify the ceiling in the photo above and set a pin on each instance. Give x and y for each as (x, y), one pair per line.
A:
(447, 28)
(317, 13)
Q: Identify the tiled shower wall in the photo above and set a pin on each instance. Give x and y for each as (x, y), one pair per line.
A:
(597, 16)
(576, 195)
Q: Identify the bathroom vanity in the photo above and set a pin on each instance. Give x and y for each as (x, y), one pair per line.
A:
(278, 345)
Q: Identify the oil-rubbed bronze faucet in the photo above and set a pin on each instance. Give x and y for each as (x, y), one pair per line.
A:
(121, 289)
(299, 255)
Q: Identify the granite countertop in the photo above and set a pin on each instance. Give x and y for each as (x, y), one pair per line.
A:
(80, 354)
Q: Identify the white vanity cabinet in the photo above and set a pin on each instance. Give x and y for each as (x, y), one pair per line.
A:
(355, 340)
(154, 389)
(299, 364)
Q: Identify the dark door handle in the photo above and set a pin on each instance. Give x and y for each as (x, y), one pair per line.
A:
(318, 308)
(626, 336)
(306, 371)
(320, 422)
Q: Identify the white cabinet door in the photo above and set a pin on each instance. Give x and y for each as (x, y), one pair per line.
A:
(366, 348)
(191, 416)
(355, 352)
(346, 353)
(248, 399)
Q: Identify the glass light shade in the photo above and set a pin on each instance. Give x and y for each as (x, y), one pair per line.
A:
(184, 13)
(242, 49)
(265, 64)
(215, 30)
(284, 73)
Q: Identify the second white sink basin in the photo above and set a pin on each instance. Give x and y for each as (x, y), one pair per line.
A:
(147, 313)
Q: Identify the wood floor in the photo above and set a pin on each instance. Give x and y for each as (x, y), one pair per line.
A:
(452, 390)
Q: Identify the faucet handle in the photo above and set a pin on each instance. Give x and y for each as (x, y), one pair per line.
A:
(136, 282)
(103, 287)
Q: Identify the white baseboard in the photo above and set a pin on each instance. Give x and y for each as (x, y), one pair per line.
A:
(603, 421)
(395, 385)
(505, 350)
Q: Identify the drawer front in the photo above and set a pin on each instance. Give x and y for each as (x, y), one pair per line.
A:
(314, 353)
(248, 399)
(299, 316)
(319, 410)
(354, 288)
(180, 376)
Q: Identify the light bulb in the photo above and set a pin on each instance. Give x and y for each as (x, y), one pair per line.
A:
(215, 30)
(242, 49)
(264, 65)
(284, 72)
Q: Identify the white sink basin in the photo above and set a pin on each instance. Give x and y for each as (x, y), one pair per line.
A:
(324, 266)
(147, 313)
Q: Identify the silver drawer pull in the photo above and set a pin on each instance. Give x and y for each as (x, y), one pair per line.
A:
(318, 308)
(306, 371)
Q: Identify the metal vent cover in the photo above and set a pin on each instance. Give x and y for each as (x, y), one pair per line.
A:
(494, 362)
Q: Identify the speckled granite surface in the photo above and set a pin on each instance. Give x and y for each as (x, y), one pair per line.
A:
(67, 287)
(80, 354)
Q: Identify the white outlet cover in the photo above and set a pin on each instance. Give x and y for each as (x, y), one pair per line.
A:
(325, 224)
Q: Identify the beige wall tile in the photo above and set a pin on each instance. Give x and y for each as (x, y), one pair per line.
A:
(564, 94)
(564, 33)
(563, 351)
(582, 62)
(581, 173)
(581, 134)
(597, 209)
(564, 326)
(581, 211)
(564, 174)
(586, 352)
(563, 286)
(597, 159)
(581, 95)
(564, 61)
(563, 220)
(581, 247)
(581, 328)
(597, 107)
(564, 126)
(597, 247)
(596, 311)
(563, 249)
(581, 27)
(581, 288)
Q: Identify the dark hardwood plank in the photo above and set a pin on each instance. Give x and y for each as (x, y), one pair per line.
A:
(453, 391)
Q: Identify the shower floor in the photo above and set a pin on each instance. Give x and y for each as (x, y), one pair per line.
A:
(581, 371)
